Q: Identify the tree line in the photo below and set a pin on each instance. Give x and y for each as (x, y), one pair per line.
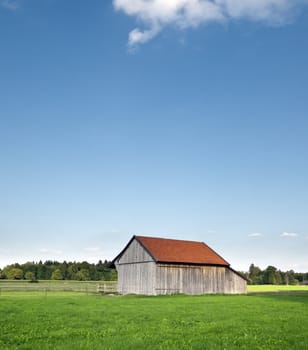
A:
(84, 271)
(271, 275)
(54, 270)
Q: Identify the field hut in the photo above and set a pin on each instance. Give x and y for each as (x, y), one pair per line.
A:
(154, 266)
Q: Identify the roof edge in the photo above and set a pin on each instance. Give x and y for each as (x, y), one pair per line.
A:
(190, 263)
(145, 248)
(227, 263)
(112, 264)
(239, 274)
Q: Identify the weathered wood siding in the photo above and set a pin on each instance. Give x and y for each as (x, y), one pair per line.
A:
(135, 253)
(136, 271)
(234, 283)
(190, 279)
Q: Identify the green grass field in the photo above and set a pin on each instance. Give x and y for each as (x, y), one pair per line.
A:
(80, 320)
(275, 288)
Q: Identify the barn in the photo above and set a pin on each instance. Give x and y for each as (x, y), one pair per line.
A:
(154, 266)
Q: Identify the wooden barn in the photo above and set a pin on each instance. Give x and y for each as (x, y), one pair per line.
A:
(153, 266)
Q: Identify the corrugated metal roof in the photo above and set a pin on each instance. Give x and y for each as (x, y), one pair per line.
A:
(178, 251)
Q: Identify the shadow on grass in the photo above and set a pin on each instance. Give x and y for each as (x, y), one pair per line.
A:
(284, 295)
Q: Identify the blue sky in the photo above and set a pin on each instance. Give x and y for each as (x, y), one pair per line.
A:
(181, 119)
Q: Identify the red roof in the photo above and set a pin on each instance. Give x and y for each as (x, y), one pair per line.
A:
(177, 251)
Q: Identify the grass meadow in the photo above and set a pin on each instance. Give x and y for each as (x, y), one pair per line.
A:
(41, 319)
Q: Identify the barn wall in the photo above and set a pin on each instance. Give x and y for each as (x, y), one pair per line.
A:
(136, 271)
(136, 278)
(134, 253)
(190, 279)
(235, 284)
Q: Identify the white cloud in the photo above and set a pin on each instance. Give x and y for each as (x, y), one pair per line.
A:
(255, 234)
(288, 234)
(9, 4)
(50, 251)
(271, 11)
(136, 36)
(154, 15)
(92, 249)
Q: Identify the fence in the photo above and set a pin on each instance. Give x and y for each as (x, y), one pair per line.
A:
(107, 287)
(59, 286)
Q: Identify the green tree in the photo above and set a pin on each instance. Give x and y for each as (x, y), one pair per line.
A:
(82, 275)
(30, 276)
(113, 275)
(64, 269)
(29, 266)
(294, 282)
(41, 271)
(270, 275)
(292, 279)
(278, 277)
(14, 273)
(57, 275)
(255, 274)
(71, 271)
